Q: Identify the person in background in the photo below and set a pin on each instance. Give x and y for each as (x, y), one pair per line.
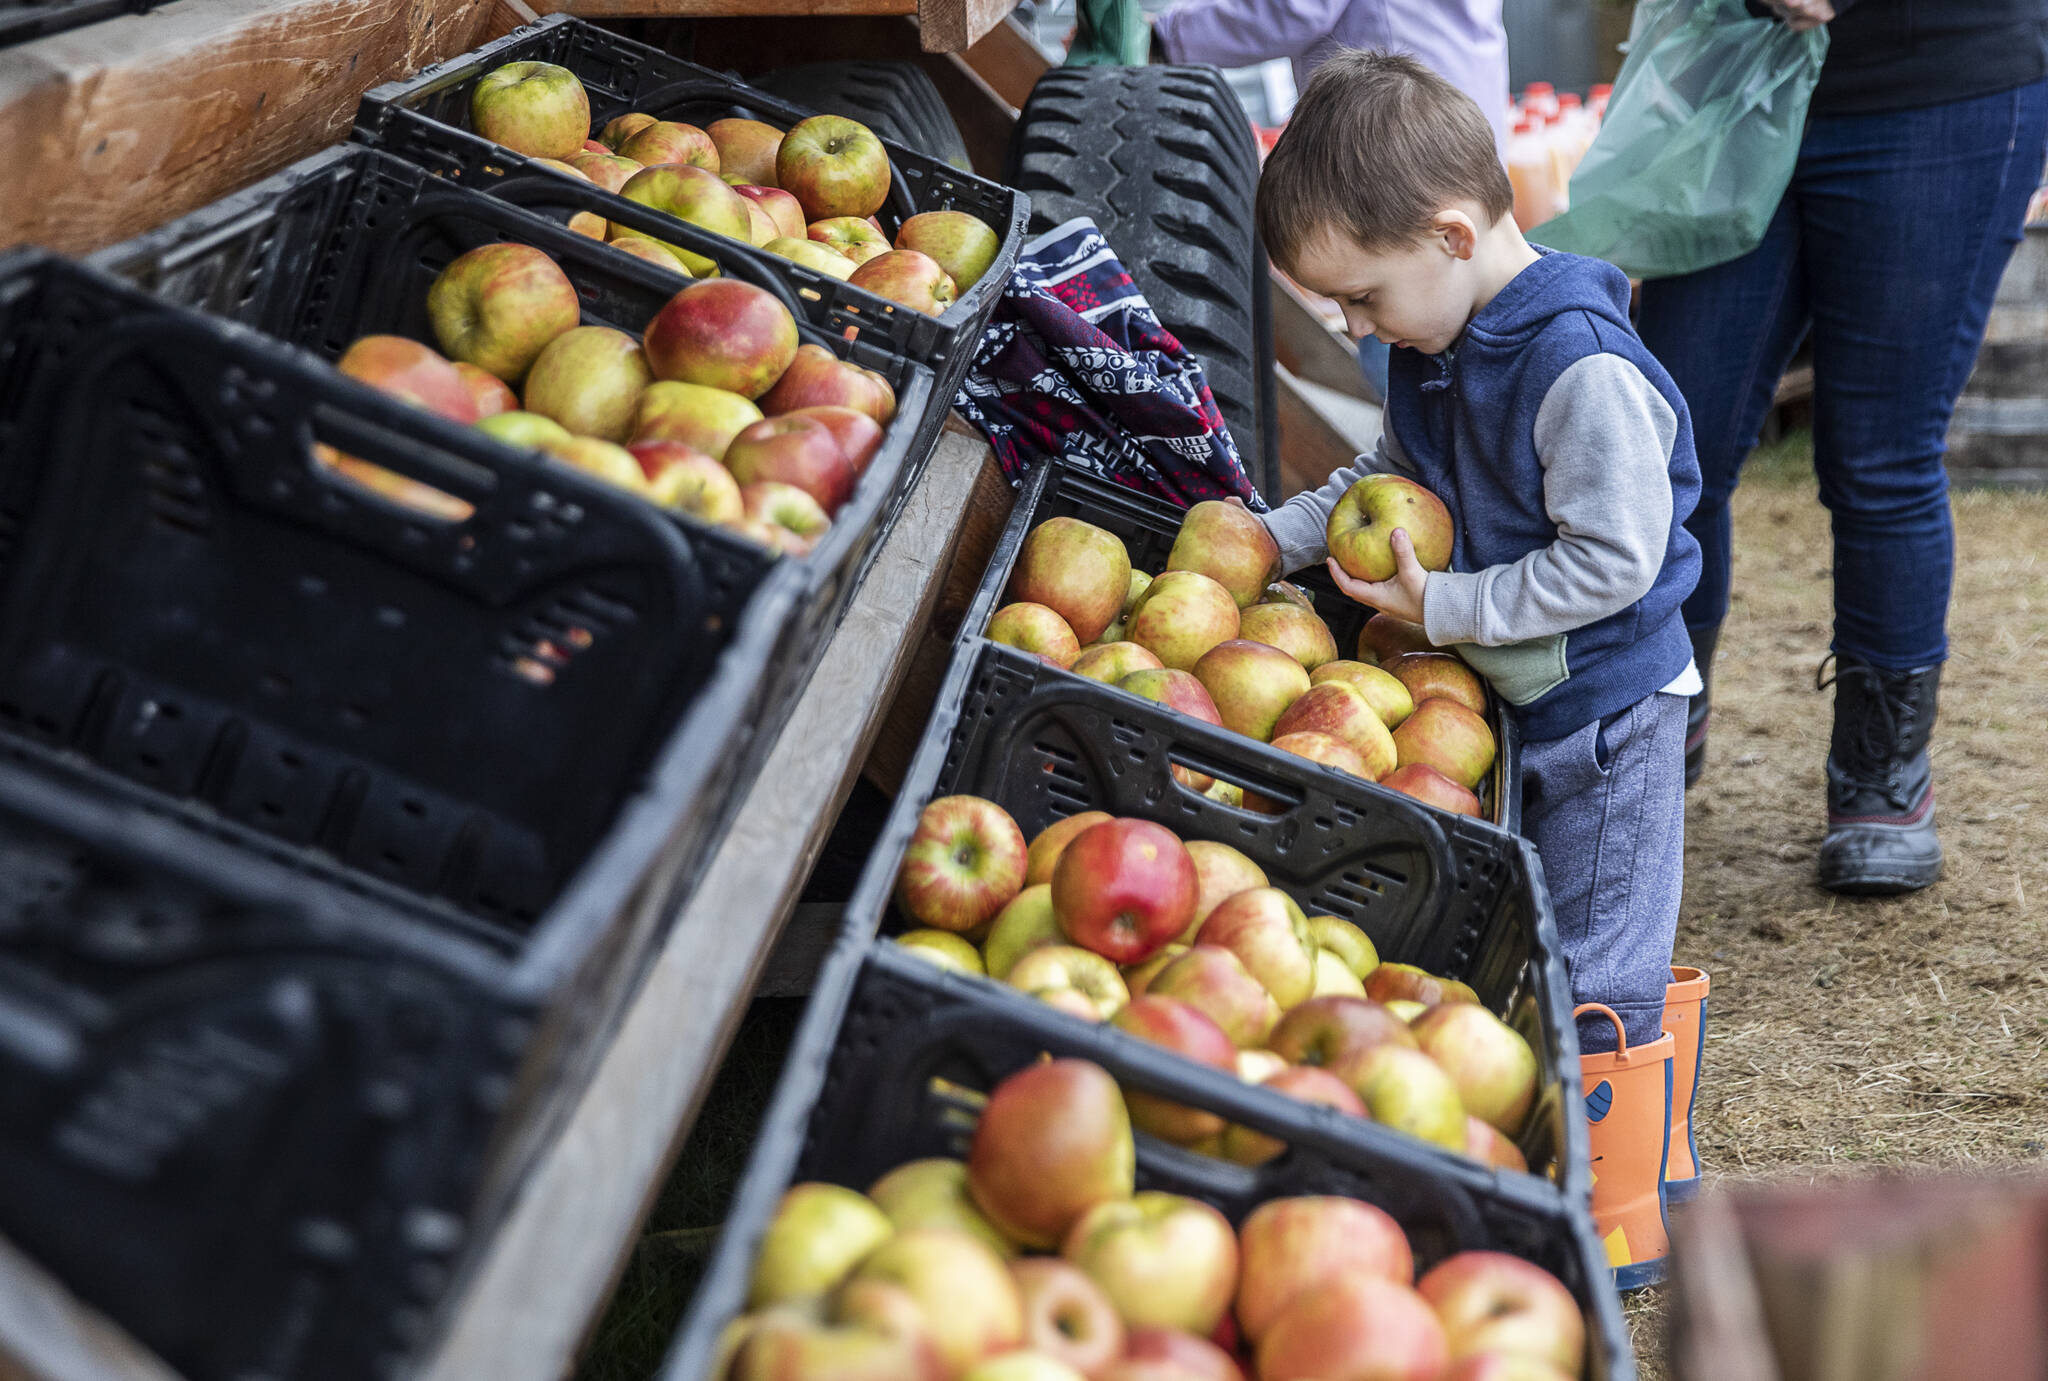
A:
(1924, 140)
(1461, 41)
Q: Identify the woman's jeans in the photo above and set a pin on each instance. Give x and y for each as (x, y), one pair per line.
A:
(1889, 245)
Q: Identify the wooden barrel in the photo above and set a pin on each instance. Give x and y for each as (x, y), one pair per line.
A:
(1999, 434)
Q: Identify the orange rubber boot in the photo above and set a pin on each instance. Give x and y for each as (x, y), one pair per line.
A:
(1628, 1122)
(1685, 1021)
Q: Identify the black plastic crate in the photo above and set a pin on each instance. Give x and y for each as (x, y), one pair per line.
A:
(425, 119)
(1060, 489)
(892, 1059)
(347, 242)
(1456, 896)
(334, 835)
(22, 20)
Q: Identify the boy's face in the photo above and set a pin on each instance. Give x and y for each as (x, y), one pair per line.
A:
(1415, 295)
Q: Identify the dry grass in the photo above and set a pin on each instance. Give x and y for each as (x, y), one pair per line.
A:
(1845, 1035)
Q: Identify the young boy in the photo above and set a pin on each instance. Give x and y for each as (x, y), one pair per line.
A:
(1520, 396)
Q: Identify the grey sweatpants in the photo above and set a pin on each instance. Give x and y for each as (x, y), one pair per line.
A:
(1605, 807)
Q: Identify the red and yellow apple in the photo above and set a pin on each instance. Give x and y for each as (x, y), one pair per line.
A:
(1292, 629)
(534, 108)
(590, 380)
(1266, 930)
(834, 166)
(1428, 675)
(1492, 1066)
(1067, 1317)
(1425, 783)
(691, 194)
(1493, 1302)
(962, 244)
(960, 1286)
(1229, 545)
(685, 479)
(1164, 1260)
(1339, 709)
(705, 419)
(1354, 1327)
(746, 149)
(1187, 1031)
(1248, 1147)
(797, 450)
(1024, 925)
(1182, 615)
(1072, 979)
(1338, 1034)
(932, 1193)
(964, 863)
(1292, 1245)
(820, 1232)
(1076, 568)
(1212, 980)
(1124, 888)
(671, 142)
(1382, 690)
(499, 305)
(1361, 527)
(1054, 1140)
(908, 277)
(722, 334)
(1110, 663)
(1251, 683)
(1449, 737)
(1035, 629)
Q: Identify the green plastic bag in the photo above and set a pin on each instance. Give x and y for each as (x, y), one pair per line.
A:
(1699, 140)
(1109, 33)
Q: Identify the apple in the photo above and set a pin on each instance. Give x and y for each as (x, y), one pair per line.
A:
(1247, 1147)
(1137, 977)
(1124, 888)
(1076, 568)
(1035, 629)
(1285, 592)
(688, 193)
(1354, 1327)
(1449, 737)
(1385, 637)
(590, 380)
(706, 419)
(1406, 1090)
(932, 1193)
(834, 166)
(1256, 1066)
(534, 108)
(908, 277)
(883, 1306)
(671, 143)
(1054, 1140)
(818, 378)
(885, 396)
(1266, 930)
(1345, 940)
(780, 208)
(1052, 841)
(796, 524)
(964, 863)
(608, 461)
(1493, 1302)
(1026, 924)
(685, 479)
(487, 391)
(1164, 1260)
(1177, 690)
(525, 429)
(850, 237)
(1486, 1145)
(1212, 980)
(1317, 748)
(960, 1286)
(1187, 1031)
(1141, 581)
(393, 487)
(1360, 531)
(760, 229)
(1112, 662)
(1428, 675)
(1334, 977)
(1229, 545)
(1425, 783)
(1388, 982)
(499, 305)
(960, 243)
(1167, 1354)
(1338, 1034)
(1406, 1009)
(820, 1232)
(1060, 974)
(607, 170)
(783, 1347)
(1292, 1245)
(1492, 1066)
(1294, 630)
(1066, 1315)
(812, 255)
(620, 128)
(1339, 709)
(796, 450)
(1500, 1366)
(1023, 1366)
(944, 949)
(746, 149)
(1180, 616)
(1382, 690)
(1220, 871)
(408, 370)
(722, 334)
(1251, 683)
(859, 435)
(658, 255)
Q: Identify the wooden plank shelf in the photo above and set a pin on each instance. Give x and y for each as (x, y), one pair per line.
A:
(945, 26)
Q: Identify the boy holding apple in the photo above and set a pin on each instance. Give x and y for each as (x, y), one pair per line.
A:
(1520, 395)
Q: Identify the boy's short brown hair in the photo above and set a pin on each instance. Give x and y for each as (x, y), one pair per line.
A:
(1376, 146)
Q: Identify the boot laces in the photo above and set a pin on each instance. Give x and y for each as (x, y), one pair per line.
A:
(1885, 719)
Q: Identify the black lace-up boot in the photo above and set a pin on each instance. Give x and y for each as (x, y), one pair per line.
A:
(1881, 836)
(1698, 712)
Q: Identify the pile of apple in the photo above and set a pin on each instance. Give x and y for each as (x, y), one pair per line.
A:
(715, 410)
(1217, 635)
(925, 1277)
(1187, 945)
(808, 195)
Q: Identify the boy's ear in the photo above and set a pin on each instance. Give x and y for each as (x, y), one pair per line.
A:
(1454, 230)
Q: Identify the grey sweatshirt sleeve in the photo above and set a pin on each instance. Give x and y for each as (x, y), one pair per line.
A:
(1604, 437)
(1300, 524)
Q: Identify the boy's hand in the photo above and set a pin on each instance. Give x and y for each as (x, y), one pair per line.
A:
(1401, 596)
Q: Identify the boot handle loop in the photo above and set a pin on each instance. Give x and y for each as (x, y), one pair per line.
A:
(1620, 1031)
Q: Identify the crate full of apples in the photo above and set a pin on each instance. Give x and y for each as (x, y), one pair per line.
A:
(751, 175)
(946, 1193)
(1188, 609)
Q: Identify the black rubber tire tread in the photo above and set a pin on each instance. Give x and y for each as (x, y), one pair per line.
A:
(1163, 160)
(894, 99)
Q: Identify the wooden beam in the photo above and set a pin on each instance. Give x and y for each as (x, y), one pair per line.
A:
(523, 1309)
(709, 9)
(1007, 61)
(48, 1334)
(1304, 343)
(1312, 445)
(117, 127)
(948, 26)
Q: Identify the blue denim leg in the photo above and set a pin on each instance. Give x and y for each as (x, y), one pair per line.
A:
(1890, 243)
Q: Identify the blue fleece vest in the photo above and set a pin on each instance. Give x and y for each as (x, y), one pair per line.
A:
(1467, 419)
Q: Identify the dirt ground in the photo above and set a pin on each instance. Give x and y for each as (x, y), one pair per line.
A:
(1848, 1036)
